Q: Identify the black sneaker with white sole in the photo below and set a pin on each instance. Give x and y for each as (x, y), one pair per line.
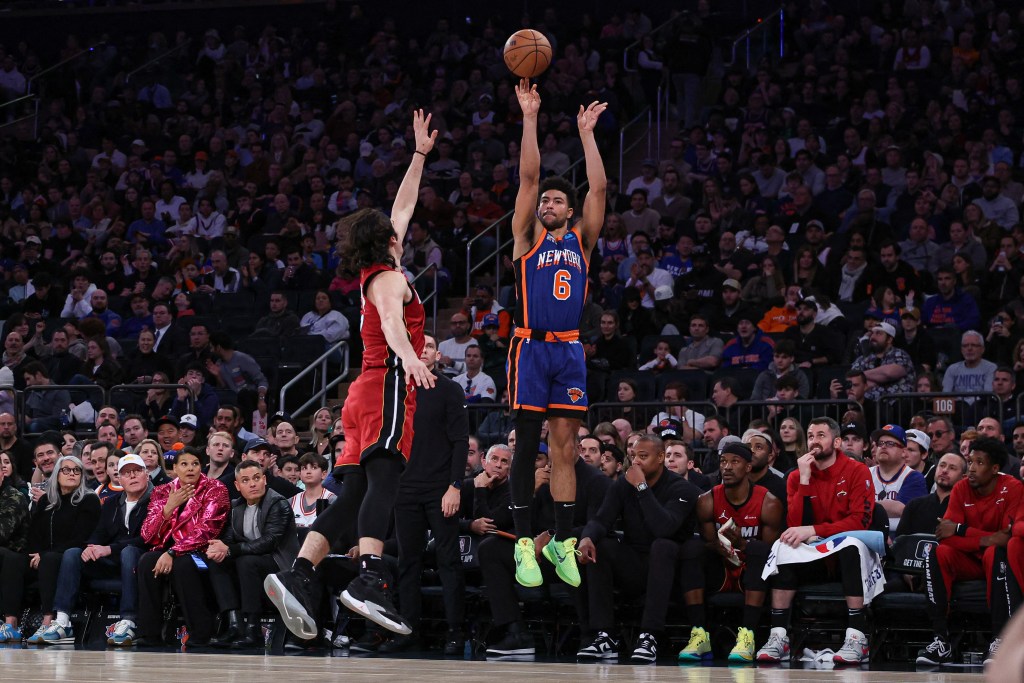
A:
(603, 647)
(646, 651)
(371, 597)
(297, 599)
(936, 652)
(519, 644)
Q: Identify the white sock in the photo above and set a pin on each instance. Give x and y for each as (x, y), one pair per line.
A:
(63, 619)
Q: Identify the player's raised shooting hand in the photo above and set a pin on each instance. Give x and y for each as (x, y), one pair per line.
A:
(529, 98)
(424, 136)
(586, 120)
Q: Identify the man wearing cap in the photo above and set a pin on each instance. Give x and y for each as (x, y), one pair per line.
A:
(828, 493)
(749, 348)
(896, 484)
(726, 312)
(855, 441)
(167, 432)
(734, 558)
(889, 370)
(815, 344)
(645, 276)
(113, 551)
(655, 509)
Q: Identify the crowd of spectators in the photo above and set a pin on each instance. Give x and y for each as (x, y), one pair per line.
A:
(843, 225)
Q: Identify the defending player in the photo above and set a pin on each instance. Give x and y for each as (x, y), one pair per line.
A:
(756, 517)
(546, 367)
(377, 417)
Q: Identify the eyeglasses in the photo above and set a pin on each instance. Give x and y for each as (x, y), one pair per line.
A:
(938, 433)
(70, 470)
(890, 444)
(133, 472)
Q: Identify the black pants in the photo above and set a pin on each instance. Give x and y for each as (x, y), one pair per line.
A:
(414, 515)
(846, 568)
(190, 589)
(15, 572)
(702, 568)
(238, 582)
(635, 573)
(498, 567)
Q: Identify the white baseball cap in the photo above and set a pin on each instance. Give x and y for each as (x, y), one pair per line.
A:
(130, 459)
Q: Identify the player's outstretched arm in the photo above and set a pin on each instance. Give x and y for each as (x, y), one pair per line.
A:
(409, 190)
(387, 292)
(525, 215)
(593, 206)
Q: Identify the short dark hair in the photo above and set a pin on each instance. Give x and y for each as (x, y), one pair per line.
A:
(51, 438)
(561, 185)
(312, 458)
(222, 339)
(35, 368)
(729, 383)
(993, 448)
(787, 381)
(200, 455)
(832, 425)
(247, 465)
(784, 347)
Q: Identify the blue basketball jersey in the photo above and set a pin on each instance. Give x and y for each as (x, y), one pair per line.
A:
(551, 283)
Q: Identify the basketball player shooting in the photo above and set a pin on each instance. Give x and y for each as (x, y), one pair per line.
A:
(547, 375)
(377, 417)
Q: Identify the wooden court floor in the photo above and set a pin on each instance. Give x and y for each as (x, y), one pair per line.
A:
(81, 666)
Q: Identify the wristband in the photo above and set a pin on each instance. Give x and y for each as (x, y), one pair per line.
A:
(419, 152)
(961, 530)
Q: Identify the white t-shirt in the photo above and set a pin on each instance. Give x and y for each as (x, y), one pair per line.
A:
(479, 387)
(457, 352)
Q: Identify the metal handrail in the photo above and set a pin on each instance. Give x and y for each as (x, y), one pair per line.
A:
(761, 25)
(325, 386)
(496, 225)
(36, 77)
(653, 32)
(11, 103)
(168, 53)
(646, 113)
(432, 297)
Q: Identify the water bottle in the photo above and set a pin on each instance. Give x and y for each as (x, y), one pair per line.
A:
(65, 418)
(121, 415)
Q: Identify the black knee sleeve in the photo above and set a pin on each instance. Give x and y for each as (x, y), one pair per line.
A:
(383, 472)
(521, 476)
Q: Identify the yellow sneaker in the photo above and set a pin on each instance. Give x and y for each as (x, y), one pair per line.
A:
(562, 554)
(699, 647)
(527, 570)
(743, 651)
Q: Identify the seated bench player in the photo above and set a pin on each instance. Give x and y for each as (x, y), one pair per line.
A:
(709, 565)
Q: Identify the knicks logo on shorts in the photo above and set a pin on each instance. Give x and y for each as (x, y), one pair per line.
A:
(575, 393)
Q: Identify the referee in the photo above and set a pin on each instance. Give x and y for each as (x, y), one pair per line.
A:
(428, 498)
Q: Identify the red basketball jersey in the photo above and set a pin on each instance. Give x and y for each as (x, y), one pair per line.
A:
(747, 516)
(376, 352)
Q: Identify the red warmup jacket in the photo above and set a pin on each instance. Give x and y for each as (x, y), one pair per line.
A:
(840, 498)
(983, 515)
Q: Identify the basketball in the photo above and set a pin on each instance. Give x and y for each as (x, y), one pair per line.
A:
(527, 53)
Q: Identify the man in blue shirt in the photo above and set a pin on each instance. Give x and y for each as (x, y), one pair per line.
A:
(148, 230)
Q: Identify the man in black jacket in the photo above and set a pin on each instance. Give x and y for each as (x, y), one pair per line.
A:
(486, 497)
(428, 498)
(498, 565)
(654, 508)
(258, 540)
(113, 551)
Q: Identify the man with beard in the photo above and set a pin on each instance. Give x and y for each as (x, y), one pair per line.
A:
(889, 370)
(920, 514)
(828, 493)
(815, 344)
(973, 536)
(547, 368)
(762, 449)
(756, 518)
(896, 484)
(996, 206)
(19, 449)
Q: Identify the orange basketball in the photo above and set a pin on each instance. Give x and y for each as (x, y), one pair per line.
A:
(527, 53)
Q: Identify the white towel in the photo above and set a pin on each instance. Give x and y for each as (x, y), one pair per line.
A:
(870, 561)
